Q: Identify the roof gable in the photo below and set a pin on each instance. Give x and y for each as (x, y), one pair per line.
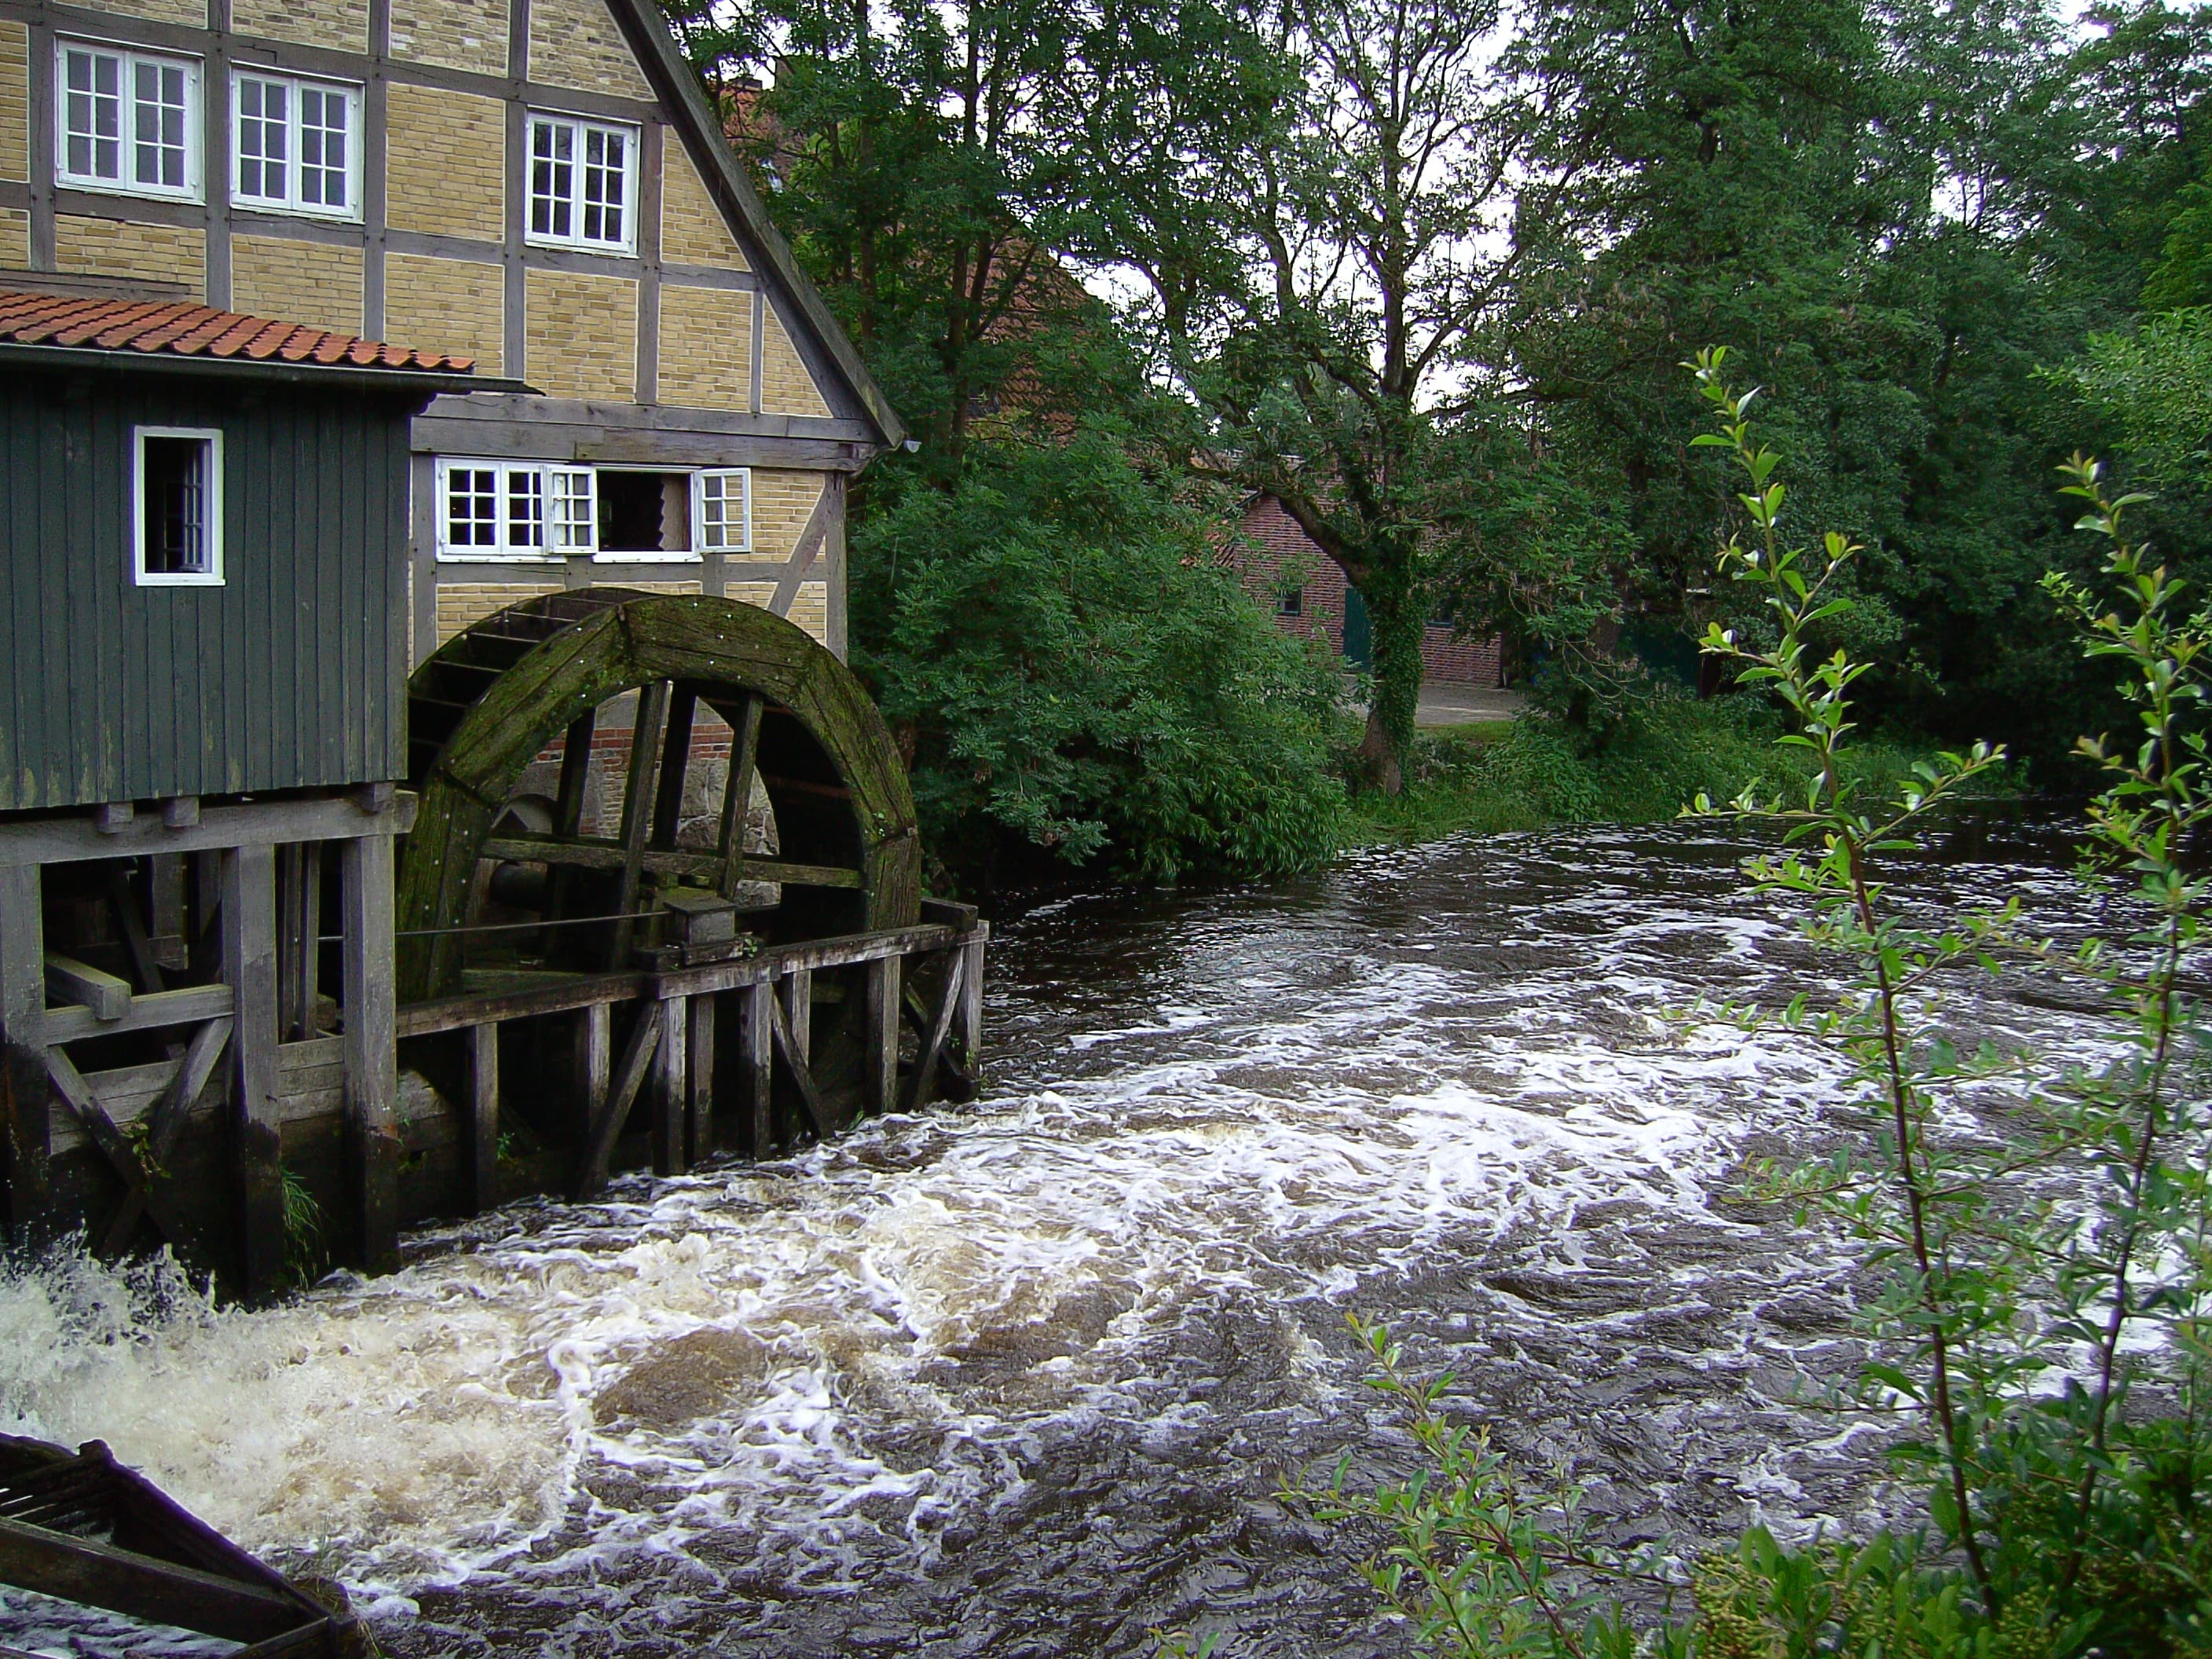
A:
(805, 312)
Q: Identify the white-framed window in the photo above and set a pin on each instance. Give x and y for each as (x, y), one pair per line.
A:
(176, 506)
(583, 184)
(126, 121)
(297, 145)
(722, 510)
(515, 510)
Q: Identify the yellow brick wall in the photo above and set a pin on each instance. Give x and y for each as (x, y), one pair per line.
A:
(461, 604)
(462, 34)
(692, 229)
(581, 335)
(191, 12)
(447, 304)
(706, 348)
(786, 387)
(299, 282)
(15, 238)
(446, 162)
(15, 101)
(577, 43)
(810, 609)
(108, 247)
(342, 24)
(782, 503)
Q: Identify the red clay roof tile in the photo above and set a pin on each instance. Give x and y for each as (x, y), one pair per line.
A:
(181, 328)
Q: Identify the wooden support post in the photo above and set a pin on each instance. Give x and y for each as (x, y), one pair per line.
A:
(165, 880)
(595, 1060)
(483, 1115)
(699, 1080)
(670, 1064)
(797, 989)
(621, 1092)
(161, 1126)
(675, 763)
(249, 967)
(290, 890)
(737, 796)
(760, 1066)
(968, 1022)
(933, 1045)
(23, 1087)
(637, 813)
(372, 1049)
(880, 1038)
(801, 1066)
(306, 937)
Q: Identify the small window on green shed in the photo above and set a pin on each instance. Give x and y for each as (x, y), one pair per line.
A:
(176, 501)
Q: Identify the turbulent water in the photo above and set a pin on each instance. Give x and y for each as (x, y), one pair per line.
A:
(1022, 1378)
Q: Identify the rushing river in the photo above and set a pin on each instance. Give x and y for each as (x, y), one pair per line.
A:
(1022, 1378)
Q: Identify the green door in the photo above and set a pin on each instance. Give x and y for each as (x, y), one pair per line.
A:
(1358, 636)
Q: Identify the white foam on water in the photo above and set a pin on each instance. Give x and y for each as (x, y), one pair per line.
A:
(769, 1368)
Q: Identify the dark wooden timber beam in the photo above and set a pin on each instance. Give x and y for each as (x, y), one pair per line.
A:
(141, 1587)
(598, 852)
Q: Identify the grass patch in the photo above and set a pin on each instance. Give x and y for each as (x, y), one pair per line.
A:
(1489, 777)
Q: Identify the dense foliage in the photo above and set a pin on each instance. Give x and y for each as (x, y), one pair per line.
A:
(1055, 646)
(1389, 262)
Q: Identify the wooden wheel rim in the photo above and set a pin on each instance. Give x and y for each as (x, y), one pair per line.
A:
(628, 641)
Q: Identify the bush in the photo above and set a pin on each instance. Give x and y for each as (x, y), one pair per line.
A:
(1069, 666)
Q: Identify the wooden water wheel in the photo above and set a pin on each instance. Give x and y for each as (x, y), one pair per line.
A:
(552, 677)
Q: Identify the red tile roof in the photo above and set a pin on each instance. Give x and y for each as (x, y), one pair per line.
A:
(187, 329)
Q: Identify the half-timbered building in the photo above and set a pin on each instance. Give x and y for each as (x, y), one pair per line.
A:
(537, 186)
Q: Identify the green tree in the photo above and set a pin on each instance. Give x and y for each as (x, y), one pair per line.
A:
(1323, 236)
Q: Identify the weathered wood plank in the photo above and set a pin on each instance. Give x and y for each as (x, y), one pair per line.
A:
(78, 1096)
(932, 1047)
(248, 929)
(483, 1109)
(736, 797)
(24, 1090)
(105, 995)
(476, 1007)
(758, 1038)
(699, 1079)
(372, 1065)
(594, 1061)
(164, 1121)
(263, 823)
(598, 852)
(614, 1111)
(141, 1587)
(671, 1062)
(637, 813)
(192, 1006)
(880, 1037)
(791, 1017)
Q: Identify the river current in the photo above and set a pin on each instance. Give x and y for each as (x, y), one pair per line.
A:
(1022, 1378)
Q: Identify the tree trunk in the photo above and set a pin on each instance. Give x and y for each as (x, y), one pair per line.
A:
(1396, 622)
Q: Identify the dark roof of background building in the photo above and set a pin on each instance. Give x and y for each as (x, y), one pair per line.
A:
(186, 329)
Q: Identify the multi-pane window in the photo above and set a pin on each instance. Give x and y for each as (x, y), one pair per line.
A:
(126, 121)
(509, 509)
(723, 511)
(583, 180)
(297, 143)
(176, 501)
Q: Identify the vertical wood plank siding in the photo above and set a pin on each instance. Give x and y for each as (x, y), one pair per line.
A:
(290, 674)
